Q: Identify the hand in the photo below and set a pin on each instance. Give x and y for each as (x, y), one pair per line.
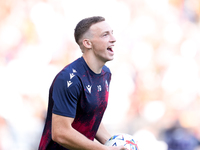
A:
(117, 148)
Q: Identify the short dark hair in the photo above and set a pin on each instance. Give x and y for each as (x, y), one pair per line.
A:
(84, 25)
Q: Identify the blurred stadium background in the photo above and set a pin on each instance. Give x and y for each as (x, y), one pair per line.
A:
(155, 88)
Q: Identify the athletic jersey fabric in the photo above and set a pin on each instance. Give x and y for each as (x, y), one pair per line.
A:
(79, 93)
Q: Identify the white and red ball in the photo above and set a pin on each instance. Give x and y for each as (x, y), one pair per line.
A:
(122, 139)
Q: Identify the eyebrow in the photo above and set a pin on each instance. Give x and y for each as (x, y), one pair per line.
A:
(107, 31)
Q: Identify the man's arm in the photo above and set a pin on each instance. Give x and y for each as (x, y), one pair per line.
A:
(102, 134)
(64, 134)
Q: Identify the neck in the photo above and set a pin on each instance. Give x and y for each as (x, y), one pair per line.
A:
(93, 63)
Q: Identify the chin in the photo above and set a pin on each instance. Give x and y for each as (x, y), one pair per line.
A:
(106, 59)
(110, 59)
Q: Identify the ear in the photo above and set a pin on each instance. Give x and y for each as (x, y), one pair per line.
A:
(87, 44)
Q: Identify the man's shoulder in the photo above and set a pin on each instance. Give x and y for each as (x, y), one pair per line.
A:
(68, 74)
(73, 67)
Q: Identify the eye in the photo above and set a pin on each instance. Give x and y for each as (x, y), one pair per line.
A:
(105, 34)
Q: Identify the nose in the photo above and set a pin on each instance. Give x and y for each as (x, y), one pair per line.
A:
(112, 39)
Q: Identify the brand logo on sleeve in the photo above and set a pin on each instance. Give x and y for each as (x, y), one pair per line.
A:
(71, 75)
(74, 71)
(69, 83)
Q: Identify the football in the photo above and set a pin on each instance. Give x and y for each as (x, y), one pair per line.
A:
(122, 139)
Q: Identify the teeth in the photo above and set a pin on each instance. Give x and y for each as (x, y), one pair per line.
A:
(110, 48)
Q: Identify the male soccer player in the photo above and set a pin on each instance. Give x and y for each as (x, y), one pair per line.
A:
(79, 93)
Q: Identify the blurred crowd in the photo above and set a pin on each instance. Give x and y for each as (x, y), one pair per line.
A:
(155, 87)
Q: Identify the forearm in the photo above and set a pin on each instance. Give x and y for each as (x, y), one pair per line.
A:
(74, 140)
(102, 134)
(64, 134)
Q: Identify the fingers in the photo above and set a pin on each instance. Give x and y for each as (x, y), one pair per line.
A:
(118, 148)
(122, 148)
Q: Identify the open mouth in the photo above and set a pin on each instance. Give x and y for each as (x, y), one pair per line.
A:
(109, 49)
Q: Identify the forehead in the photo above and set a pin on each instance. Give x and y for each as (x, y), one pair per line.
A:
(100, 27)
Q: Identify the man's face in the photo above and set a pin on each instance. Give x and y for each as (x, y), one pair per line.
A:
(102, 41)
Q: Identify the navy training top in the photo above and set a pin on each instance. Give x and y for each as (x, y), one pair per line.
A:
(79, 93)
